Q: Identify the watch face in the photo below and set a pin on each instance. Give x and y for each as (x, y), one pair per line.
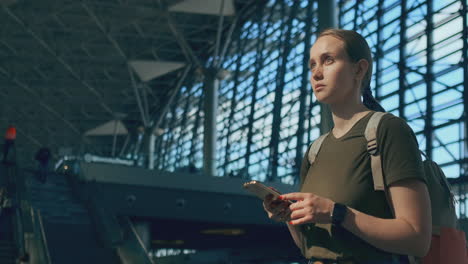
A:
(339, 213)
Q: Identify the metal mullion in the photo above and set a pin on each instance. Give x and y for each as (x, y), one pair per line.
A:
(258, 66)
(341, 3)
(446, 20)
(164, 143)
(429, 79)
(263, 157)
(457, 161)
(273, 173)
(447, 5)
(196, 126)
(356, 9)
(415, 84)
(158, 148)
(368, 21)
(439, 107)
(173, 121)
(341, 13)
(449, 40)
(162, 153)
(409, 10)
(455, 141)
(395, 4)
(183, 122)
(240, 50)
(402, 61)
(444, 146)
(464, 14)
(450, 54)
(261, 117)
(379, 52)
(288, 106)
(311, 103)
(446, 106)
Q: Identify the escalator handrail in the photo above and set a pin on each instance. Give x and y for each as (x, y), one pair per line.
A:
(140, 242)
(42, 239)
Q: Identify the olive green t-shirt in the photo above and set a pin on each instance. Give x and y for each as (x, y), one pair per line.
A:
(342, 172)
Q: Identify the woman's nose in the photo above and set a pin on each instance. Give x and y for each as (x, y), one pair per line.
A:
(317, 74)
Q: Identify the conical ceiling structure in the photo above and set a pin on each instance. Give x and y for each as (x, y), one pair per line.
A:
(148, 70)
(206, 7)
(108, 129)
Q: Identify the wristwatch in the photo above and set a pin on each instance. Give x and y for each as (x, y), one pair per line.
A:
(338, 214)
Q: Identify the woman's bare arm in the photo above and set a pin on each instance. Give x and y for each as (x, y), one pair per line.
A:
(408, 234)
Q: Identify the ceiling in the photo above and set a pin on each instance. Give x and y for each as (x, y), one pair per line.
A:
(69, 66)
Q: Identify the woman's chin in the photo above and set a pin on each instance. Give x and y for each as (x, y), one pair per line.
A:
(322, 98)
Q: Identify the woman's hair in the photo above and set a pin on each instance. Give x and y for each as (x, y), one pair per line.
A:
(357, 48)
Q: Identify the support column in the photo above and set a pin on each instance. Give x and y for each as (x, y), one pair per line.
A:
(152, 141)
(210, 111)
(326, 19)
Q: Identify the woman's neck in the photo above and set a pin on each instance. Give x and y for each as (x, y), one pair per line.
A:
(345, 116)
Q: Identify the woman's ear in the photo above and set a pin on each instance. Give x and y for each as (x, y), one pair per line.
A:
(361, 68)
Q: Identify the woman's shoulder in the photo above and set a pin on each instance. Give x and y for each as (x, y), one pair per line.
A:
(393, 122)
(394, 127)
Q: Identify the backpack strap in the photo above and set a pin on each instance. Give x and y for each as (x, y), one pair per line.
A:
(315, 148)
(372, 147)
(376, 166)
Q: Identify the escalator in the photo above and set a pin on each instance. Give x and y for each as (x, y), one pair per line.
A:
(8, 252)
(11, 245)
(68, 229)
(76, 228)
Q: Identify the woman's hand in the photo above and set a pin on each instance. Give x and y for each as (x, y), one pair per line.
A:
(277, 210)
(309, 208)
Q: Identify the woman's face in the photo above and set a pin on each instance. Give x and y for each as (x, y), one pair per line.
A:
(333, 75)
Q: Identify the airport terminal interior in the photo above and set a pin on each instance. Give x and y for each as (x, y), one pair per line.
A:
(130, 126)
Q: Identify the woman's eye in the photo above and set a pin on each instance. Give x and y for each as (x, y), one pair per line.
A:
(312, 66)
(329, 60)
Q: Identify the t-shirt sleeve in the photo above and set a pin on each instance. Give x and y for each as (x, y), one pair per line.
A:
(401, 158)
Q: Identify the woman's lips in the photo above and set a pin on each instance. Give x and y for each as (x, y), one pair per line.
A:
(319, 87)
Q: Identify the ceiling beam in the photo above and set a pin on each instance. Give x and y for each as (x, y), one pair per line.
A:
(101, 27)
(141, 99)
(40, 101)
(166, 106)
(59, 59)
(189, 53)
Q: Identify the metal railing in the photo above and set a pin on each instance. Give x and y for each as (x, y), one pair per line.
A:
(42, 249)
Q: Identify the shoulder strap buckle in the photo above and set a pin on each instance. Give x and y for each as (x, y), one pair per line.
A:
(373, 149)
(372, 146)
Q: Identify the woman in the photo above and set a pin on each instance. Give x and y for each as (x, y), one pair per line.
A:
(362, 229)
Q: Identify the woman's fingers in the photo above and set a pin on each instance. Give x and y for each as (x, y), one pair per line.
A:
(282, 214)
(274, 206)
(297, 196)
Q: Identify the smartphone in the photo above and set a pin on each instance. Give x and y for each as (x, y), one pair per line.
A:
(260, 190)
